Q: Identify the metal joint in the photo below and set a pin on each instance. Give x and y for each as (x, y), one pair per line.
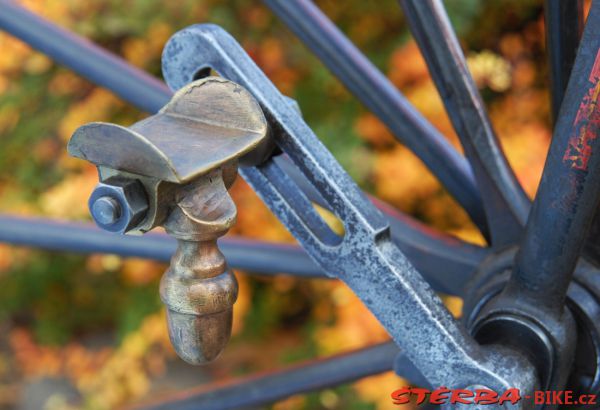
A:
(174, 169)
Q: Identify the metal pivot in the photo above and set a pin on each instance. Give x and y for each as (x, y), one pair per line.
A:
(174, 170)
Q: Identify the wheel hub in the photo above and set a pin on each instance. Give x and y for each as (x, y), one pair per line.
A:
(534, 335)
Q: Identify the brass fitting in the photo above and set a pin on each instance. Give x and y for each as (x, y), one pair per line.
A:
(174, 170)
(198, 289)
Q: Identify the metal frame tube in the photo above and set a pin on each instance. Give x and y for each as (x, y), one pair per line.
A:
(569, 192)
(380, 96)
(564, 25)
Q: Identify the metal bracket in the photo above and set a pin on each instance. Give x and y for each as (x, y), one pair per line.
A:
(364, 257)
(174, 169)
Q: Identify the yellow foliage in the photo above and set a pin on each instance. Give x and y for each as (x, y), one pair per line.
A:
(407, 66)
(110, 377)
(68, 199)
(125, 374)
(254, 219)
(524, 155)
(354, 327)
(141, 271)
(6, 257)
(490, 70)
(270, 56)
(95, 107)
(372, 130)
(9, 117)
(141, 51)
(401, 179)
(14, 52)
(65, 83)
(37, 64)
(291, 403)
(427, 101)
(242, 306)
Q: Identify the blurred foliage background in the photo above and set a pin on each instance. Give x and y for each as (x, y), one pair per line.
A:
(88, 332)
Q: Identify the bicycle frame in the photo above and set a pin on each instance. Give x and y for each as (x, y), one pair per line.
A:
(392, 288)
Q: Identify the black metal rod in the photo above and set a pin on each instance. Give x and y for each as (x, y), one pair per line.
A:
(564, 25)
(105, 69)
(448, 262)
(447, 268)
(505, 203)
(262, 389)
(380, 96)
(251, 255)
(569, 192)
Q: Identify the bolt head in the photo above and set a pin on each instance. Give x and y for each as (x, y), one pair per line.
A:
(106, 210)
(118, 204)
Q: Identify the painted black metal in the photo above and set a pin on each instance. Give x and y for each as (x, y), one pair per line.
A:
(435, 255)
(563, 208)
(261, 389)
(569, 192)
(583, 300)
(564, 25)
(395, 292)
(105, 69)
(249, 255)
(378, 94)
(505, 203)
(244, 254)
(532, 303)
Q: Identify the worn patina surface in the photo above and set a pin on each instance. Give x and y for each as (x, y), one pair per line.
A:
(174, 169)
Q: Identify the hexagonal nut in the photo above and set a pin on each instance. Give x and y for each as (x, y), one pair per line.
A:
(118, 204)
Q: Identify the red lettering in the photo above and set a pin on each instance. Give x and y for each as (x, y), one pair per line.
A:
(569, 397)
(485, 396)
(421, 394)
(538, 397)
(401, 396)
(557, 397)
(459, 396)
(510, 395)
(439, 396)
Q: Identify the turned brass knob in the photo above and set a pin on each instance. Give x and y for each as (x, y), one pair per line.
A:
(174, 169)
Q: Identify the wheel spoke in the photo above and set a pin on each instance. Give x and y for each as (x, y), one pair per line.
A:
(445, 262)
(245, 254)
(569, 192)
(448, 261)
(263, 389)
(505, 202)
(564, 24)
(380, 96)
(85, 58)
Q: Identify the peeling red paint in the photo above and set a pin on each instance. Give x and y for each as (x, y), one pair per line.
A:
(586, 126)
